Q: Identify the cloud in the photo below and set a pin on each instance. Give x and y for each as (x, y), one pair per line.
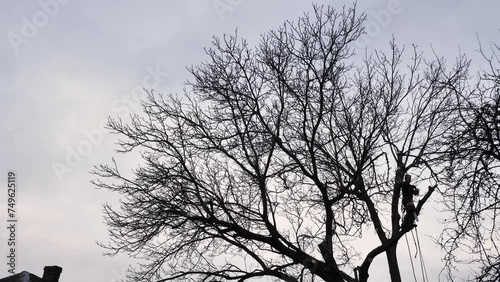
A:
(91, 55)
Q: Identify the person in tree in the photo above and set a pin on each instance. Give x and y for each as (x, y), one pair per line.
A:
(409, 191)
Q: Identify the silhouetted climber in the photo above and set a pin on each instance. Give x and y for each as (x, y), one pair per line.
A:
(408, 191)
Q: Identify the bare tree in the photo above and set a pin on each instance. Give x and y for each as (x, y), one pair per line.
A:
(473, 194)
(276, 158)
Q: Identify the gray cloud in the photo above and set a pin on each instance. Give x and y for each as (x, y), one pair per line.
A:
(66, 76)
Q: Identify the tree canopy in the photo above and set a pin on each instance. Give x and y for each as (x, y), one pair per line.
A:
(472, 193)
(276, 156)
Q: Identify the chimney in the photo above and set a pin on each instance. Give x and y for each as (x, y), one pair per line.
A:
(51, 273)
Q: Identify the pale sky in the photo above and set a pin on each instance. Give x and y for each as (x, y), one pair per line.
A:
(66, 65)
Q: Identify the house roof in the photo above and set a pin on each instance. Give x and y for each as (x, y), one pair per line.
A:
(22, 277)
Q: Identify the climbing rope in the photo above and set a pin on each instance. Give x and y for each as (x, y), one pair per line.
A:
(411, 260)
(414, 243)
(418, 251)
(422, 262)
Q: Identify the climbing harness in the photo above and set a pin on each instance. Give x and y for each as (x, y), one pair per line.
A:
(409, 191)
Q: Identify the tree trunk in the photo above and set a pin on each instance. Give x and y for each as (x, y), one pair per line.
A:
(392, 260)
(391, 253)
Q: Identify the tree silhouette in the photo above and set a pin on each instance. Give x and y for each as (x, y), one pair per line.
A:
(275, 158)
(473, 191)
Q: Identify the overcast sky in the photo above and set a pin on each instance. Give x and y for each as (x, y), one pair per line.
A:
(66, 65)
